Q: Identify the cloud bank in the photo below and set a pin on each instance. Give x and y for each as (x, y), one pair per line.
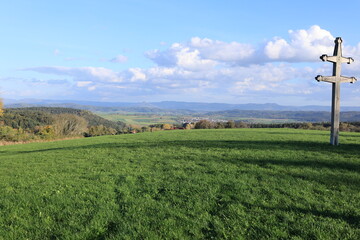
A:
(205, 69)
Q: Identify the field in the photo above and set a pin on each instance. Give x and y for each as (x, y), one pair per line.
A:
(196, 184)
(148, 119)
(141, 119)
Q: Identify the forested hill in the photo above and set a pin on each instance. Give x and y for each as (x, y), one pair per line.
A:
(38, 116)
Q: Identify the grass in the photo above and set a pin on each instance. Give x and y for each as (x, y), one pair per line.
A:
(197, 184)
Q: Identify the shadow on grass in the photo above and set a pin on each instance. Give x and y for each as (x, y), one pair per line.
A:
(308, 132)
(228, 195)
(347, 151)
(313, 163)
(227, 144)
(209, 144)
(352, 220)
(330, 179)
(350, 135)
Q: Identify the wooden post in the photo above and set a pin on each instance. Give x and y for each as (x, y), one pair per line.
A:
(335, 114)
(336, 79)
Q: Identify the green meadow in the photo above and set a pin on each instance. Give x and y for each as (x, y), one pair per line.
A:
(196, 184)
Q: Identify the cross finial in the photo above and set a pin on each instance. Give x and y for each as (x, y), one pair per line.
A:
(338, 40)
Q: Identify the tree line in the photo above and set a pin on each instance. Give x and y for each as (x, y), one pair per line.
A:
(206, 124)
(344, 126)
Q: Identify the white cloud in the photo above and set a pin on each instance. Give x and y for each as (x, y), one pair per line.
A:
(303, 46)
(163, 58)
(352, 69)
(137, 75)
(241, 86)
(119, 59)
(222, 51)
(190, 60)
(203, 53)
(81, 73)
(35, 88)
(182, 56)
(233, 80)
(83, 83)
(279, 49)
(92, 88)
(161, 71)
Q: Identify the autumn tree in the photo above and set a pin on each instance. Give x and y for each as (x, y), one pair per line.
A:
(167, 126)
(230, 124)
(187, 126)
(203, 124)
(100, 130)
(69, 125)
(241, 125)
(219, 125)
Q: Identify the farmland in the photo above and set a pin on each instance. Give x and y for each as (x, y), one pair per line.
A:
(197, 184)
(149, 119)
(141, 119)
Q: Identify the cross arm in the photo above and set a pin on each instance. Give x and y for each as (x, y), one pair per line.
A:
(347, 79)
(334, 59)
(334, 79)
(331, 79)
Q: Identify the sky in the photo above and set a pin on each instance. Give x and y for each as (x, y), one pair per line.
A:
(165, 50)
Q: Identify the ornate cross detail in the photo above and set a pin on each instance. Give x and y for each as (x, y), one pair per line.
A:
(336, 79)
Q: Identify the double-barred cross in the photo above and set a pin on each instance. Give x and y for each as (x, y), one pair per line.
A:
(336, 79)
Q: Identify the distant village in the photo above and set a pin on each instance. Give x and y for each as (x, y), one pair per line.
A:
(194, 120)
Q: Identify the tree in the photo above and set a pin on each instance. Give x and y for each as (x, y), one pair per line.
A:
(241, 125)
(167, 126)
(219, 125)
(308, 125)
(69, 125)
(187, 126)
(203, 124)
(145, 129)
(99, 131)
(344, 126)
(1, 107)
(230, 124)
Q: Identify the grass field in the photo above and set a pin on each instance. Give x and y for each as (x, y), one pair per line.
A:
(197, 184)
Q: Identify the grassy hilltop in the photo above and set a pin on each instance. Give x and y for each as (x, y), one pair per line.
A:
(198, 184)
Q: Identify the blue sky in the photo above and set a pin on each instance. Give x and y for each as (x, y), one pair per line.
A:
(205, 51)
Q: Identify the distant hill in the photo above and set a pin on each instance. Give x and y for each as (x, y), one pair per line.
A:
(212, 110)
(165, 106)
(196, 106)
(108, 109)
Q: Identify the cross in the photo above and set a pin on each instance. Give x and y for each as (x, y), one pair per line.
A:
(336, 79)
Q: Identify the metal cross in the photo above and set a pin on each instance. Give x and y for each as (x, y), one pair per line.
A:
(336, 79)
